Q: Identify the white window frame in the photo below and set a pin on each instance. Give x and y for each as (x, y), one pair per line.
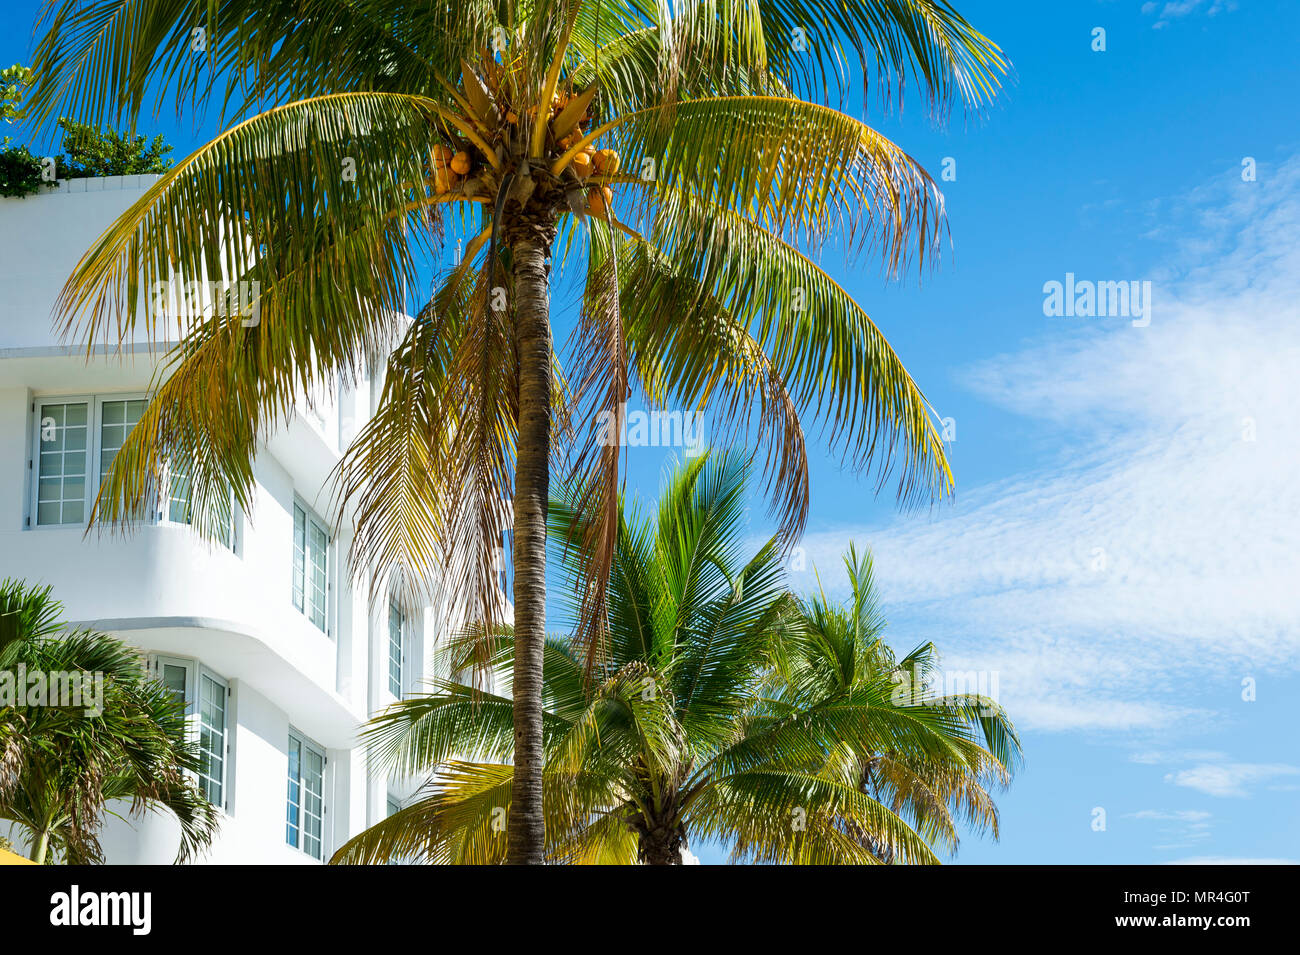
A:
(100, 401)
(403, 643)
(194, 674)
(91, 452)
(94, 446)
(305, 743)
(310, 517)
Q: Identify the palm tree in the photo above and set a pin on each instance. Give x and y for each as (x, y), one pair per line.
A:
(364, 134)
(60, 766)
(720, 711)
(837, 649)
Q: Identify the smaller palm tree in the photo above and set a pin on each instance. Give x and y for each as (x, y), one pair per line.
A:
(719, 708)
(837, 652)
(61, 767)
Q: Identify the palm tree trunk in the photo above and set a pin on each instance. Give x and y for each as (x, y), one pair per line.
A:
(526, 825)
(41, 847)
(661, 846)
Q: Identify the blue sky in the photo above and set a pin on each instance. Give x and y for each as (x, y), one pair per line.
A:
(1122, 549)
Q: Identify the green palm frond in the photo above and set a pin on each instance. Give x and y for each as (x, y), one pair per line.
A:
(104, 59)
(894, 40)
(775, 815)
(429, 473)
(800, 170)
(278, 193)
(690, 351)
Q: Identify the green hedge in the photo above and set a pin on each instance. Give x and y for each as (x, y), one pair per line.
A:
(88, 152)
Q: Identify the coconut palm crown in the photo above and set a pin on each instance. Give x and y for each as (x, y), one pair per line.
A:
(681, 162)
(724, 710)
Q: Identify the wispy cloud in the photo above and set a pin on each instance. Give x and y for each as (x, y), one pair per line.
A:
(1154, 757)
(1179, 828)
(1158, 548)
(1230, 779)
(1177, 9)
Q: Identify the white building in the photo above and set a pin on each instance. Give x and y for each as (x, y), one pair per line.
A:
(280, 657)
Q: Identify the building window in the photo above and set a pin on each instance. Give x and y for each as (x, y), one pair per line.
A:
(310, 565)
(395, 647)
(176, 505)
(71, 434)
(178, 495)
(394, 804)
(306, 809)
(203, 695)
(61, 477)
(116, 419)
(211, 718)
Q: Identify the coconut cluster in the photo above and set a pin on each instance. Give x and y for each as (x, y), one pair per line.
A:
(458, 165)
(450, 167)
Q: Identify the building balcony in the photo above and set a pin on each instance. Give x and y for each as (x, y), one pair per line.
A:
(165, 590)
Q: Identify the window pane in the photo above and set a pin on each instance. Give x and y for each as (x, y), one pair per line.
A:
(299, 554)
(318, 543)
(119, 417)
(61, 479)
(295, 755)
(305, 818)
(394, 649)
(212, 737)
(312, 804)
(173, 677)
(178, 495)
(310, 566)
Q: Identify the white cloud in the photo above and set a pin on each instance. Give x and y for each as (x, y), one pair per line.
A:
(1155, 559)
(1170, 815)
(1177, 9)
(1229, 779)
(1185, 827)
(1151, 758)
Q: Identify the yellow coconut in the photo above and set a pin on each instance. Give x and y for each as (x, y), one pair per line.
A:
(441, 182)
(598, 201)
(582, 165)
(606, 162)
(442, 153)
(460, 163)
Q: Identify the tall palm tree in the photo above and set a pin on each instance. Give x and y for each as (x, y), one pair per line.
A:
(721, 710)
(60, 766)
(366, 133)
